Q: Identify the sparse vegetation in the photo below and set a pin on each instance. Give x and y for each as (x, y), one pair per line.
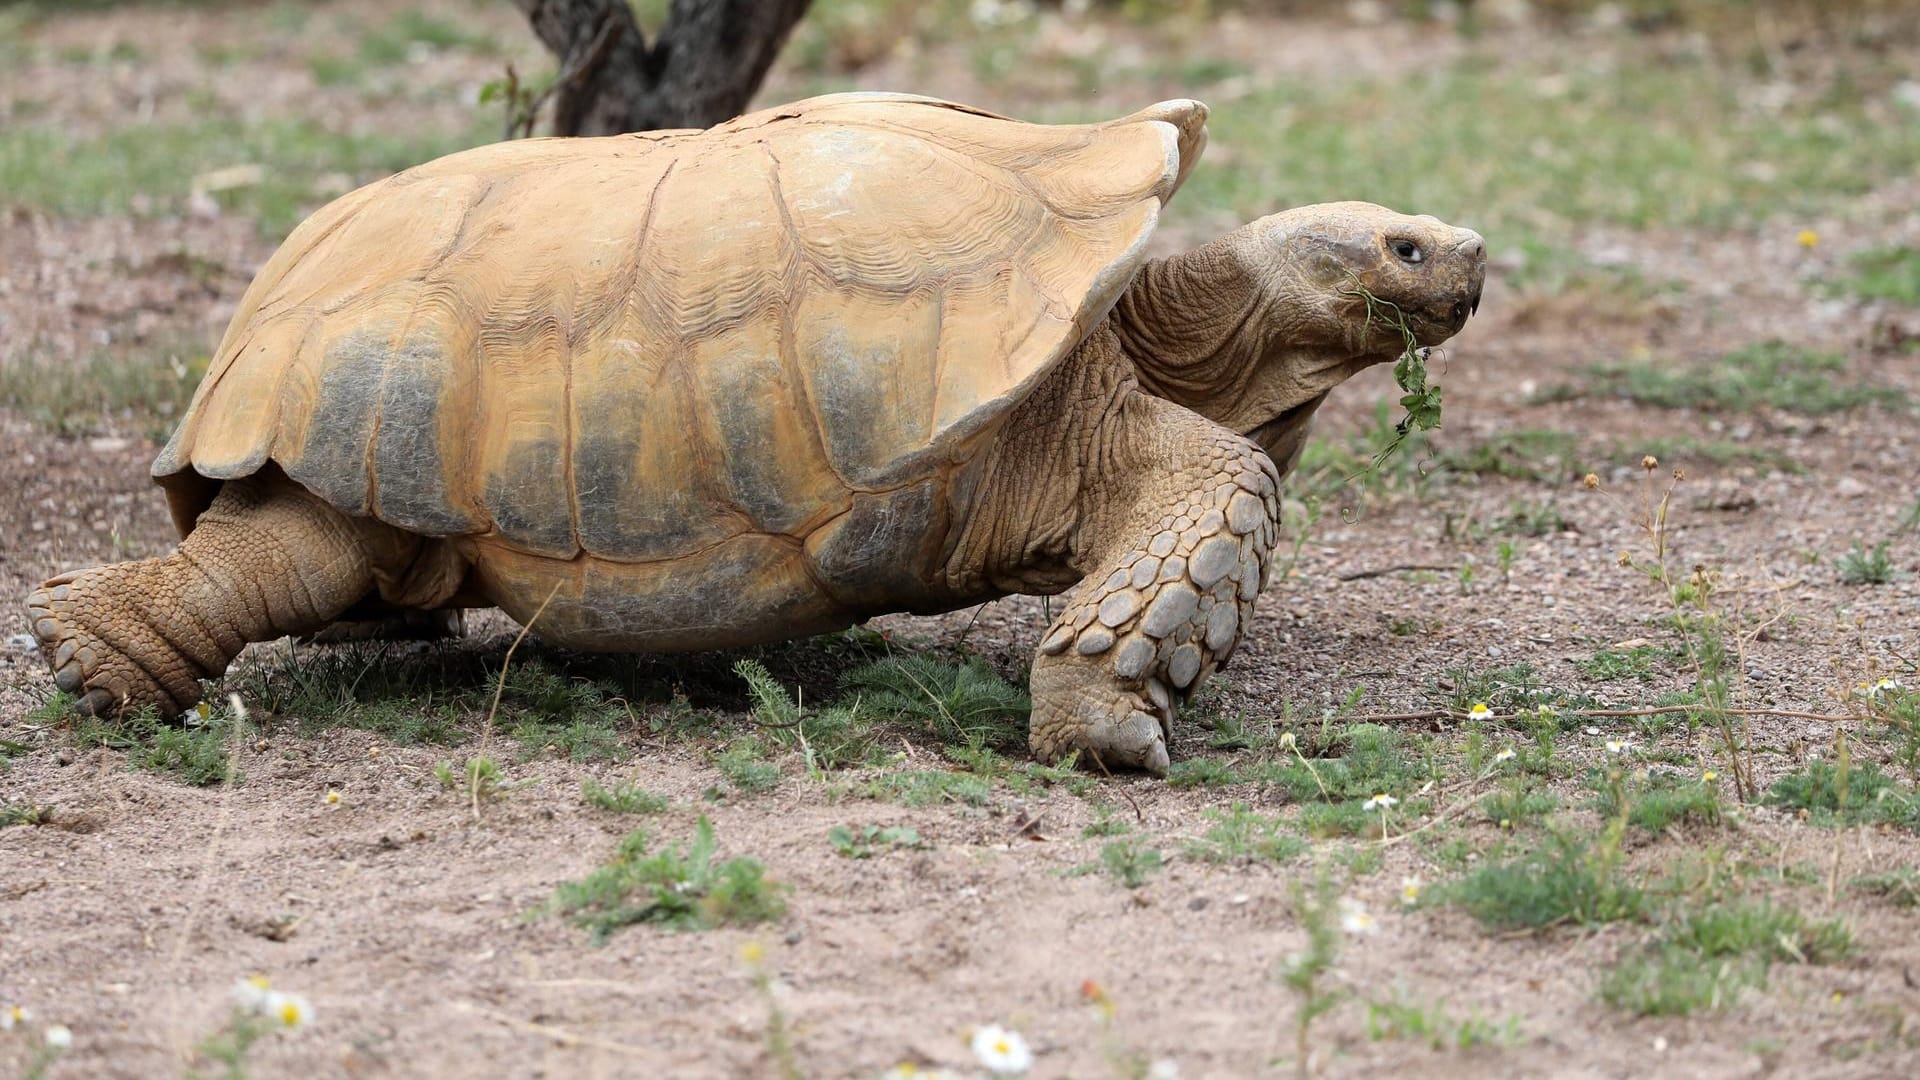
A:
(624, 797)
(961, 703)
(1564, 881)
(24, 814)
(864, 842)
(1129, 861)
(1891, 273)
(679, 887)
(1705, 957)
(1859, 566)
(1404, 1017)
(1772, 374)
(195, 751)
(1237, 834)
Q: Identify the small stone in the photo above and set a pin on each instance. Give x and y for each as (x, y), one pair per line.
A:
(1133, 657)
(1118, 607)
(1214, 559)
(1095, 641)
(1144, 571)
(1223, 623)
(1245, 513)
(1174, 605)
(1185, 665)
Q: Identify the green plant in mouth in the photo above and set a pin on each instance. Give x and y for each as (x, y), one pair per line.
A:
(1420, 399)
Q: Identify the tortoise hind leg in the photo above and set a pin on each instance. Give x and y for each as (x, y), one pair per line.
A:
(1180, 556)
(265, 560)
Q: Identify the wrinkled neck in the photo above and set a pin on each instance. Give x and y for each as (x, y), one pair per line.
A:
(1192, 323)
(1208, 332)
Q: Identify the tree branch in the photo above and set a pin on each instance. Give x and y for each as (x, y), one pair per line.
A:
(705, 67)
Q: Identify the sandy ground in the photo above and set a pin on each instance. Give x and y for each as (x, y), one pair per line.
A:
(406, 918)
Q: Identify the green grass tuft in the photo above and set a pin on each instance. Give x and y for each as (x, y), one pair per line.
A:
(1129, 861)
(1202, 772)
(1859, 566)
(1705, 957)
(963, 703)
(194, 751)
(1855, 795)
(624, 797)
(681, 888)
(746, 767)
(928, 787)
(1239, 835)
(864, 842)
(1565, 881)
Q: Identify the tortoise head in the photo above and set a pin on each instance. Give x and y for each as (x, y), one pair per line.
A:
(1361, 276)
(1255, 329)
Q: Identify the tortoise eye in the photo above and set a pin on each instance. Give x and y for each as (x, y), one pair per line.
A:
(1407, 250)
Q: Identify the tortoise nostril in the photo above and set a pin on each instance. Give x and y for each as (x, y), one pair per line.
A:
(1473, 247)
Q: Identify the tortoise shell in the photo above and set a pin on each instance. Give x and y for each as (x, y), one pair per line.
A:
(637, 347)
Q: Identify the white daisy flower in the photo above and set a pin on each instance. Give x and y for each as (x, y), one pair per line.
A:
(1382, 801)
(14, 1014)
(1479, 711)
(1505, 754)
(1164, 1069)
(59, 1036)
(1618, 746)
(1001, 1051)
(291, 1010)
(1355, 918)
(250, 992)
(1410, 889)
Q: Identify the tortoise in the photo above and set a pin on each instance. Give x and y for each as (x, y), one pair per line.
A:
(687, 390)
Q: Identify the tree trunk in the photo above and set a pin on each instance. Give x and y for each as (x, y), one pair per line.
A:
(703, 69)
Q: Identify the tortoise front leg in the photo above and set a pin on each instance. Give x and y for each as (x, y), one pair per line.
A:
(1168, 597)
